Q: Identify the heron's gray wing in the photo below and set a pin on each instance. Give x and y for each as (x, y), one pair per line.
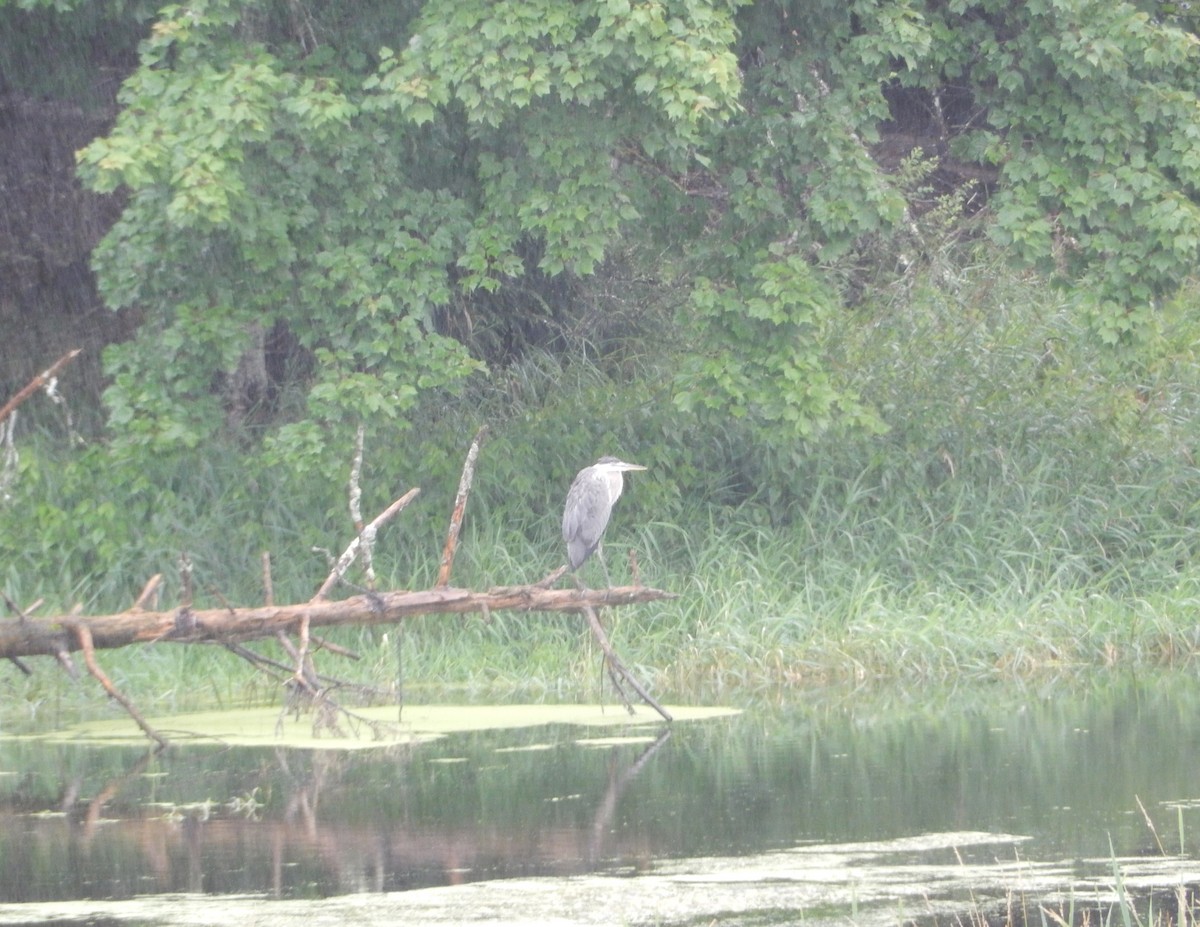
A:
(585, 516)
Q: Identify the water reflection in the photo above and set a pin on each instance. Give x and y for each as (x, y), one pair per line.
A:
(1065, 768)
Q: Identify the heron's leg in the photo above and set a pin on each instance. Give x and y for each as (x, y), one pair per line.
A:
(603, 565)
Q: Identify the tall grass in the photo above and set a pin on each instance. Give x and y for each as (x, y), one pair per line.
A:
(1031, 509)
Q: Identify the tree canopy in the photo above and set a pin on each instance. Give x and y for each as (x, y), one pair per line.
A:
(371, 186)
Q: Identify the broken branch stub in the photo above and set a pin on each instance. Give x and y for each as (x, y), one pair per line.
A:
(460, 505)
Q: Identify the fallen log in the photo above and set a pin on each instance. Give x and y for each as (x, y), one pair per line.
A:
(54, 636)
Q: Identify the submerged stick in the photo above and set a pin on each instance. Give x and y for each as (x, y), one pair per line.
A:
(87, 645)
(617, 667)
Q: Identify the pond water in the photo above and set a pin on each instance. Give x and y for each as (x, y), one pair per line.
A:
(1067, 782)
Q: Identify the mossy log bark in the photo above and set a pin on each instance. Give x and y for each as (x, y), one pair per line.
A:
(55, 636)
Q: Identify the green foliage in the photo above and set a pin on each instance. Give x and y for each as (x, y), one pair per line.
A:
(351, 194)
(380, 183)
(494, 58)
(1090, 111)
(789, 189)
(250, 204)
(96, 528)
(549, 92)
(762, 351)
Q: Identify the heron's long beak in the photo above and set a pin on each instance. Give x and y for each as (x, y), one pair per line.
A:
(629, 466)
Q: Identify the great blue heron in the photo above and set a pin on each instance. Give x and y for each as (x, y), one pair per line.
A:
(590, 502)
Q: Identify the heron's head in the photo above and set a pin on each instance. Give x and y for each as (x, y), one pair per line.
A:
(614, 465)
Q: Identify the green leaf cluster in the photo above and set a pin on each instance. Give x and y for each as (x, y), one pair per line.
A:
(760, 353)
(1090, 110)
(384, 187)
(295, 174)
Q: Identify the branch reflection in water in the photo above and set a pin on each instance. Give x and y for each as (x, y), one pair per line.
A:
(1065, 767)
